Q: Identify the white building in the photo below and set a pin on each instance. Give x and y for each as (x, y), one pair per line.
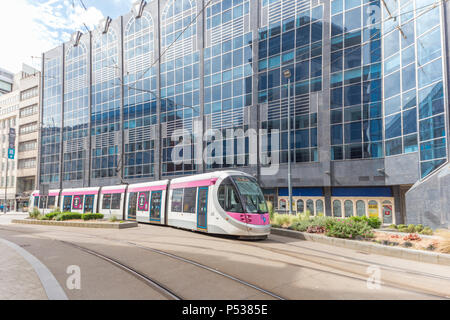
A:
(19, 109)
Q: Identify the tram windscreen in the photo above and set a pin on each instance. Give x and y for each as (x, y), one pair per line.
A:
(251, 194)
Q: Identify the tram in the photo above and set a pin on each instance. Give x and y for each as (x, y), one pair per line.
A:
(223, 202)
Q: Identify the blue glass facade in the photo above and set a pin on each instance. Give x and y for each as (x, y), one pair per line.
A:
(355, 81)
(292, 43)
(368, 85)
(140, 106)
(76, 114)
(51, 122)
(228, 63)
(106, 104)
(180, 81)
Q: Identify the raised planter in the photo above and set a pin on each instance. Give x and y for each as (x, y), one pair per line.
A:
(375, 248)
(87, 224)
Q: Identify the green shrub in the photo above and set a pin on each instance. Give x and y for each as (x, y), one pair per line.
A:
(301, 226)
(401, 226)
(52, 215)
(92, 216)
(373, 222)
(284, 220)
(392, 226)
(271, 210)
(348, 229)
(411, 228)
(427, 231)
(68, 216)
(43, 218)
(113, 219)
(419, 228)
(35, 213)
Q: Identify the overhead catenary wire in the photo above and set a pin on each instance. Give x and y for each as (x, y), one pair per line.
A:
(376, 34)
(379, 32)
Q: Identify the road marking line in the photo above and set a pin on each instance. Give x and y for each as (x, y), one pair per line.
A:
(51, 286)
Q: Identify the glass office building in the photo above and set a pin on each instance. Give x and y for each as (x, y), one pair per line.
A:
(368, 99)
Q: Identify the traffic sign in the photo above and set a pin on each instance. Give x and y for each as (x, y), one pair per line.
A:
(11, 153)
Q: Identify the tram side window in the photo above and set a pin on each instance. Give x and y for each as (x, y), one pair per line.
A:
(51, 202)
(115, 201)
(42, 203)
(177, 200)
(190, 195)
(106, 202)
(229, 198)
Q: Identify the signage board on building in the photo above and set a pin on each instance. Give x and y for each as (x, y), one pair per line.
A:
(11, 153)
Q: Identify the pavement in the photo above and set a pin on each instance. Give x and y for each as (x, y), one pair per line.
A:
(18, 279)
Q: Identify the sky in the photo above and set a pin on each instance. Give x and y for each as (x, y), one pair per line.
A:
(31, 27)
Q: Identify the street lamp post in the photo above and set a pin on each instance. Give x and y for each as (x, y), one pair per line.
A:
(287, 75)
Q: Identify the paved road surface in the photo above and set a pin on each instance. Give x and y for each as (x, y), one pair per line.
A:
(152, 262)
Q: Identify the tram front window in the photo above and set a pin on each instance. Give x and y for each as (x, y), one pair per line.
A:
(229, 198)
(251, 195)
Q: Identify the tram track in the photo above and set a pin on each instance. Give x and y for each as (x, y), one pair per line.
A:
(163, 289)
(362, 262)
(337, 265)
(360, 276)
(139, 275)
(327, 262)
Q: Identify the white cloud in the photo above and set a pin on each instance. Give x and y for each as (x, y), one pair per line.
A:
(30, 28)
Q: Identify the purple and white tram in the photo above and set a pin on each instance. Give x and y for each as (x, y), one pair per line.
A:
(223, 202)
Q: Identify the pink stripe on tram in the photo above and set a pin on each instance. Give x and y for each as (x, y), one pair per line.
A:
(194, 184)
(84, 193)
(51, 194)
(149, 188)
(113, 191)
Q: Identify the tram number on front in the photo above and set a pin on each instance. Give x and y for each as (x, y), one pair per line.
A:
(247, 309)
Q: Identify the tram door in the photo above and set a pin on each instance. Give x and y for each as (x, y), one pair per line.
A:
(202, 208)
(155, 206)
(89, 204)
(132, 206)
(67, 204)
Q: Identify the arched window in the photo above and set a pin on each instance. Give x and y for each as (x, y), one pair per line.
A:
(348, 208)
(310, 207)
(282, 204)
(373, 209)
(300, 206)
(388, 212)
(337, 212)
(360, 208)
(176, 16)
(319, 207)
